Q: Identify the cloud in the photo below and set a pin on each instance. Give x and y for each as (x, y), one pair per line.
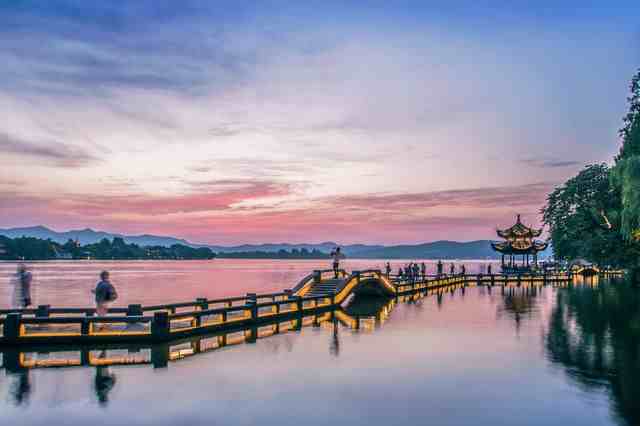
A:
(62, 155)
(220, 195)
(551, 164)
(496, 197)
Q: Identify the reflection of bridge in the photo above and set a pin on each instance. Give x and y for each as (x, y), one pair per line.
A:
(319, 293)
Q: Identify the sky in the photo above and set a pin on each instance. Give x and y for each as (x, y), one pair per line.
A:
(273, 121)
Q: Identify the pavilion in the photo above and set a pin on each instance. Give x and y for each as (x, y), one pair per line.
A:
(519, 244)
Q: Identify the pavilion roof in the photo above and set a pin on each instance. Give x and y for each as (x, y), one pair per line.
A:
(518, 231)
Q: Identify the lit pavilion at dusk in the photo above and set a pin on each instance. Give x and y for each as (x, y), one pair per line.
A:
(519, 241)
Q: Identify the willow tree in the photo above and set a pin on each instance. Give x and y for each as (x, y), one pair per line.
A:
(596, 214)
(625, 175)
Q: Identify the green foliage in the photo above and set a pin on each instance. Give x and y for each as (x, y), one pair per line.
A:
(626, 177)
(582, 216)
(37, 249)
(630, 133)
(28, 248)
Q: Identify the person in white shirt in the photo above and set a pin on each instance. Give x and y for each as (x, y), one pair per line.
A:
(337, 256)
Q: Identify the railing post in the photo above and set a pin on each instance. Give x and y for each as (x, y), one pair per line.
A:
(160, 354)
(43, 311)
(85, 327)
(12, 326)
(202, 303)
(160, 326)
(134, 310)
(84, 357)
(252, 305)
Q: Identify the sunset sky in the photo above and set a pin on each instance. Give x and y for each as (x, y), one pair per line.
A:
(231, 122)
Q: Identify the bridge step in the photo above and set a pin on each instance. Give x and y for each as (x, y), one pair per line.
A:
(324, 288)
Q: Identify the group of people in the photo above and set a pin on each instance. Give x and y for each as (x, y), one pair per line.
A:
(411, 271)
(104, 292)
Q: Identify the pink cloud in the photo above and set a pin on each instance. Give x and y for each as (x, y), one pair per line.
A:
(378, 218)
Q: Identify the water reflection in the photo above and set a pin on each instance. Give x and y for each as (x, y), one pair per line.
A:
(594, 336)
(434, 348)
(104, 380)
(519, 303)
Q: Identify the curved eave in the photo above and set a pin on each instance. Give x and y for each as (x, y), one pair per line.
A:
(507, 248)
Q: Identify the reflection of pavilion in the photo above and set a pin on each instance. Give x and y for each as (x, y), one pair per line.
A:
(519, 241)
(519, 303)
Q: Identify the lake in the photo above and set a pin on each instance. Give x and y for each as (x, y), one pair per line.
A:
(473, 356)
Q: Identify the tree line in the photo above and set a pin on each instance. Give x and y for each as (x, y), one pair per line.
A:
(595, 215)
(30, 248)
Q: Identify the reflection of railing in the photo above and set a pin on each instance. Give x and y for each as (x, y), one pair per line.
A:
(161, 323)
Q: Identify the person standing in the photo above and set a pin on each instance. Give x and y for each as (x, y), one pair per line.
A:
(463, 270)
(489, 269)
(337, 256)
(105, 294)
(22, 287)
(452, 269)
(440, 268)
(388, 269)
(423, 270)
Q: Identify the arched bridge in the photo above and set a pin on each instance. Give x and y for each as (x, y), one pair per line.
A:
(341, 285)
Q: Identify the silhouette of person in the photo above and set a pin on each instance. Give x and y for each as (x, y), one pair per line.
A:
(334, 347)
(103, 382)
(21, 387)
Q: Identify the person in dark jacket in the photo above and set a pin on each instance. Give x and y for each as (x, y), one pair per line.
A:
(105, 294)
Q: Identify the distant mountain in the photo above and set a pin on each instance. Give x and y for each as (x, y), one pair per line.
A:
(326, 247)
(89, 236)
(480, 249)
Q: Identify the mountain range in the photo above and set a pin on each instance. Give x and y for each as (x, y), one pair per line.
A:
(480, 249)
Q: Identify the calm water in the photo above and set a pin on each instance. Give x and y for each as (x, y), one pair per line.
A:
(554, 356)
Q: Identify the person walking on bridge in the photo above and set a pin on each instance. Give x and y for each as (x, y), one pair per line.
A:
(452, 269)
(440, 268)
(423, 270)
(388, 269)
(105, 294)
(22, 287)
(337, 256)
